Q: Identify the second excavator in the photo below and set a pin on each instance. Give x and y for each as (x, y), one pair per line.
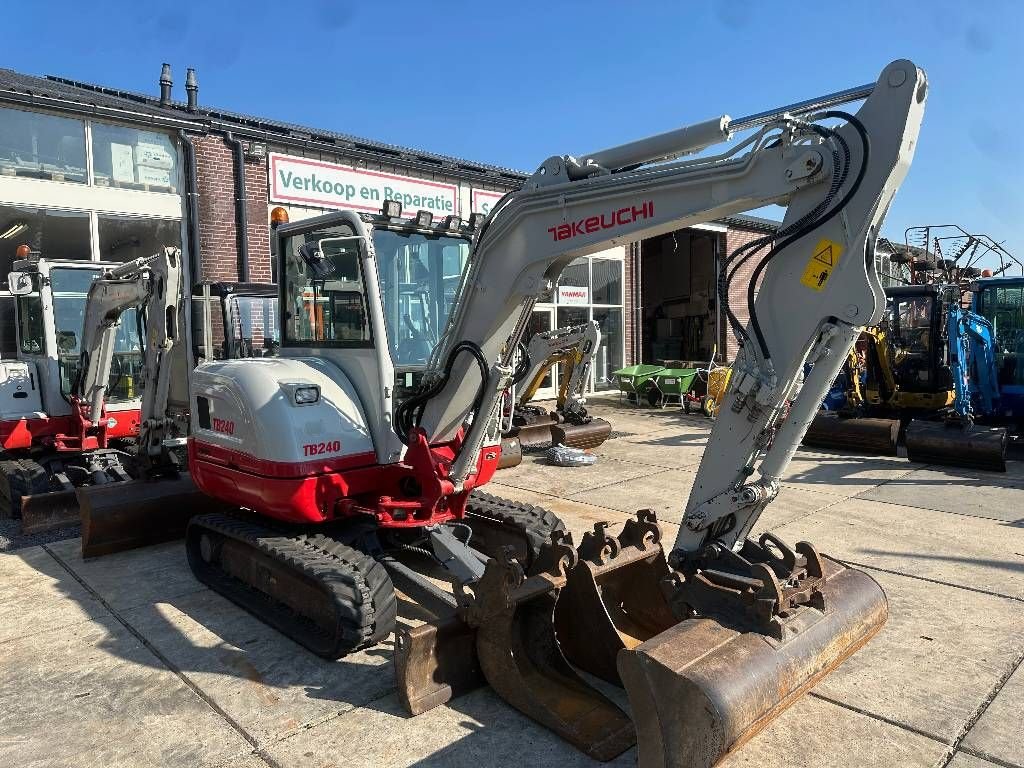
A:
(352, 461)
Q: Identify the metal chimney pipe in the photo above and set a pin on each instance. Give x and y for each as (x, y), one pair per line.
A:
(191, 88)
(165, 85)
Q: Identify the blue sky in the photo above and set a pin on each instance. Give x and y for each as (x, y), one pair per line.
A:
(512, 83)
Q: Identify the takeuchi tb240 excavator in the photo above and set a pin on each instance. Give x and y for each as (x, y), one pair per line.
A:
(352, 462)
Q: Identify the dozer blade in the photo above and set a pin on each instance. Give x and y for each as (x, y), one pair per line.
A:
(863, 435)
(435, 663)
(536, 436)
(705, 686)
(48, 511)
(951, 444)
(138, 513)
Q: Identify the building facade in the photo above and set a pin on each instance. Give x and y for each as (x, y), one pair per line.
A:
(88, 172)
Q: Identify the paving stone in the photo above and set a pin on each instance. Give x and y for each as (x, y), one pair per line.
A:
(842, 475)
(93, 697)
(27, 568)
(660, 449)
(817, 734)
(248, 760)
(965, 760)
(935, 660)
(967, 551)
(664, 491)
(478, 729)
(265, 682)
(133, 578)
(537, 475)
(1000, 731)
(994, 496)
(38, 595)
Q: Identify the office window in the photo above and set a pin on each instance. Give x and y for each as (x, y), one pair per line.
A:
(133, 159)
(123, 238)
(52, 234)
(38, 146)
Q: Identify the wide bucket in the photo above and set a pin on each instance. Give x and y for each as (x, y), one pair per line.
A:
(585, 436)
(138, 513)
(875, 436)
(702, 688)
(950, 444)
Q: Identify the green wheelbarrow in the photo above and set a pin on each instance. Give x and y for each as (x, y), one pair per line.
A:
(634, 380)
(670, 384)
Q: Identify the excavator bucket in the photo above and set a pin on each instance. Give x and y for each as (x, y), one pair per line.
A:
(542, 433)
(934, 442)
(138, 513)
(862, 435)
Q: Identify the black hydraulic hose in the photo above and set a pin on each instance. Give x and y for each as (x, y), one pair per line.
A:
(866, 148)
(409, 413)
(241, 215)
(523, 367)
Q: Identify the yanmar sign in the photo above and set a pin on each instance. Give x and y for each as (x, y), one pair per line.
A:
(610, 220)
(327, 185)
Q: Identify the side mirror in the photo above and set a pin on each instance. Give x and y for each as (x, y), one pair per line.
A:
(20, 283)
(318, 265)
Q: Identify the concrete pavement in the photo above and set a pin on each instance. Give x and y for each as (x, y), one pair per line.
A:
(128, 661)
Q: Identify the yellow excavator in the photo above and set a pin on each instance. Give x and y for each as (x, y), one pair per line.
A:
(573, 349)
(352, 463)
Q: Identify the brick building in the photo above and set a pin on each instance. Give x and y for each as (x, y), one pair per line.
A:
(90, 172)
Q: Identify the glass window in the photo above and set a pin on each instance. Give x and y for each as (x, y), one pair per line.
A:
(419, 281)
(70, 289)
(41, 146)
(572, 316)
(30, 324)
(577, 275)
(128, 157)
(609, 355)
(325, 297)
(51, 234)
(1004, 308)
(123, 238)
(253, 324)
(8, 334)
(607, 287)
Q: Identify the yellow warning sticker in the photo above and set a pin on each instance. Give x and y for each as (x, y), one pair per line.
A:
(822, 264)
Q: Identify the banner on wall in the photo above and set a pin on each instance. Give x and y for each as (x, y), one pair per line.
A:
(482, 200)
(313, 182)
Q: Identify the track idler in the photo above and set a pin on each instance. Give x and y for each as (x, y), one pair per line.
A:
(862, 435)
(950, 443)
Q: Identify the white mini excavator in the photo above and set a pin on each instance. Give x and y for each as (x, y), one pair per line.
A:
(352, 461)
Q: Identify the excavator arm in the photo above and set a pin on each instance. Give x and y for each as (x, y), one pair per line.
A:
(152, 285)
(837, 183)
(573, 346)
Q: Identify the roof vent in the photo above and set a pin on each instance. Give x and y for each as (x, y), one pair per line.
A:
(165, 85)
(191, 88)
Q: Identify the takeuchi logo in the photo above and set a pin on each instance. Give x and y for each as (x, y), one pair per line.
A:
(590, 224)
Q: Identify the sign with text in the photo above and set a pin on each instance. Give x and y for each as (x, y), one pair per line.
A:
(482, 200)
(327, 185)
(574, 295)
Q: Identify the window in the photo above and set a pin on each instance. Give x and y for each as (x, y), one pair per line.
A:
(133, 159)
(1004, 308)
(325, 297)
(254, 330)
(30, 325)
(123, 238)
(70, 289)
(609, 355)
(419, 280)
(607, 281)
(52, 234)
(39, 146)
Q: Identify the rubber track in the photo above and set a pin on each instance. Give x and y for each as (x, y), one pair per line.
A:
(20, 477)
(531, 523)
(363, 597)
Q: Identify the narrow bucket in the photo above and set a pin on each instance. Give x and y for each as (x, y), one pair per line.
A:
(950, 444)
(702, 688)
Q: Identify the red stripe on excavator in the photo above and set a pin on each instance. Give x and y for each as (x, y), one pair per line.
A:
(23, 433)
(246, 462)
